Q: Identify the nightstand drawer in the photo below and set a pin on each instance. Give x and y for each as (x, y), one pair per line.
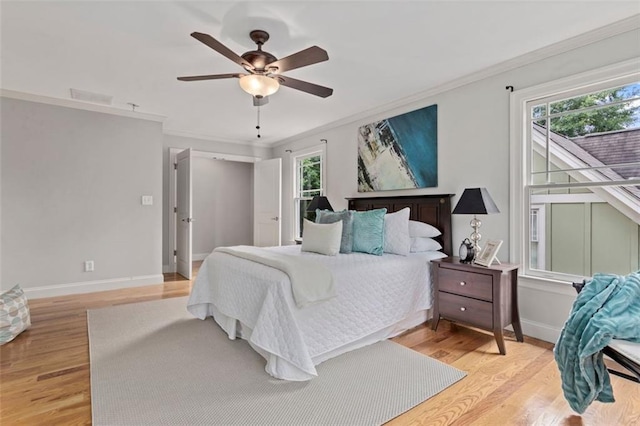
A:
(464, 309)
(464, 283)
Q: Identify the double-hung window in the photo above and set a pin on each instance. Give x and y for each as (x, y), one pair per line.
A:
(309, 178)
(577, 175)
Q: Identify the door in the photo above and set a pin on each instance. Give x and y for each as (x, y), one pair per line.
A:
(267, 200)
(184, 219)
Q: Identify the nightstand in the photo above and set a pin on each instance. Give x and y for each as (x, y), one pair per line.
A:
(482, 297)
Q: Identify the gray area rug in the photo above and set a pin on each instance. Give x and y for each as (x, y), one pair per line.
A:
(153, 363)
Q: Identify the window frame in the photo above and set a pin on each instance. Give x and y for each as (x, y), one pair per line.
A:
(296, 157)
(521, 155)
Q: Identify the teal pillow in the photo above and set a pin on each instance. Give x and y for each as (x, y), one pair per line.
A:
(368, 231)
(346, 216)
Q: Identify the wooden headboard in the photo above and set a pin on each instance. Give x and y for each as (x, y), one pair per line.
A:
(432, 209)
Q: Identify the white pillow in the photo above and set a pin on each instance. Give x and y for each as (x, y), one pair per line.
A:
(421, 229)
(396, 232)
(322, 238)
(421, 244)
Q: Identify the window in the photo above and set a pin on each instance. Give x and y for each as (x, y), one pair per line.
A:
(579, 180)
(308, 167)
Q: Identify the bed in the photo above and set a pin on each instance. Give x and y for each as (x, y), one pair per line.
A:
(377, 297)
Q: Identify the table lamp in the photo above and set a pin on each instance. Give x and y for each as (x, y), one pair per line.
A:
(475, 201)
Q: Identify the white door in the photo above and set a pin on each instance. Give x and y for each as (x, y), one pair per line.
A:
(267, 192)
(184, 219)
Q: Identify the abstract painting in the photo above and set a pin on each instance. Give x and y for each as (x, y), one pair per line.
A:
(400, 152)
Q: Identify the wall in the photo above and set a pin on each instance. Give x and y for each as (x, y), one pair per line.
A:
(71, 186)
(205, 145)
(222, 204)
(473, 150)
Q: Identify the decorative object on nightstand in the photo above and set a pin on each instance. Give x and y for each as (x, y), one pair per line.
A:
(488, 253)
(475, 201)
(467, 251)
(483, 297)
(319, 202)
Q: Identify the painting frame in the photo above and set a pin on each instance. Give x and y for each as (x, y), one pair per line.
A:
(399, 152)
(488, 253)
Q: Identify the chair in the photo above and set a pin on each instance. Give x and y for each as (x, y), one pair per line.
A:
(624, 352)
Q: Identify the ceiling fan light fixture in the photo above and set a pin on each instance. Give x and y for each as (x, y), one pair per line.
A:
(259, 85)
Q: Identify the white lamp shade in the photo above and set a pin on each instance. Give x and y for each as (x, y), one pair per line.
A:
(259, 85)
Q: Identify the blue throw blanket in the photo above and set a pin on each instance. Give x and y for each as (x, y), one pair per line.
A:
(607, 307)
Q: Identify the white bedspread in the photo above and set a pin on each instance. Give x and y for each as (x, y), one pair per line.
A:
(372, 294)
(311, 282)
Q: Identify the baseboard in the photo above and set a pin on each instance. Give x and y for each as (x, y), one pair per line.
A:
(92, 286)
(540, 331)
(199, 256)
(166, 269)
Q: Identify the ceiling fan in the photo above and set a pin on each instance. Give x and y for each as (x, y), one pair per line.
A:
(264, 78)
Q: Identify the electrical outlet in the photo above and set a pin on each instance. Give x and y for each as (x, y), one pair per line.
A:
(147, 200)
(88, 266)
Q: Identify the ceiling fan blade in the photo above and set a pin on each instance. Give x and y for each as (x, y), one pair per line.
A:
(221, 49)
(305, 86)
(309, 56)
(260, 101)
(210, 77)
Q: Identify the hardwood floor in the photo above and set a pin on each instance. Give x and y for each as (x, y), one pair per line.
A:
(44, 372)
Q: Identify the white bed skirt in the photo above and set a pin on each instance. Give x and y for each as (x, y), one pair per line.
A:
(280, 368)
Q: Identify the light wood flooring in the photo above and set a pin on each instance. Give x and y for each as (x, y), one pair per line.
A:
(44, 372)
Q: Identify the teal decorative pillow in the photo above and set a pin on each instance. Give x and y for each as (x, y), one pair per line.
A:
(14, 314)
(368, 231)
(346, 216)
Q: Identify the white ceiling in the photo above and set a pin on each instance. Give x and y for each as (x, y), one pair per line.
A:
(379, 52)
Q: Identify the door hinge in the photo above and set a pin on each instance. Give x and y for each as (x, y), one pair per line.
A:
(175, 252)
(175, 166)
(175, 210)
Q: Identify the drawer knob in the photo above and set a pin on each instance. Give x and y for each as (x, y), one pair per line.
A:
(463, 283)
(463, 309)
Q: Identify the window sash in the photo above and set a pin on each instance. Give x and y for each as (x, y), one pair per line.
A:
(301, 194)
(522, 101)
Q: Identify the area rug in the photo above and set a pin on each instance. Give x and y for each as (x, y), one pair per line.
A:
(152, 363)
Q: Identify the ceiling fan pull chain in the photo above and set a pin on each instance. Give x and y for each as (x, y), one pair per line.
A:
(258, 126)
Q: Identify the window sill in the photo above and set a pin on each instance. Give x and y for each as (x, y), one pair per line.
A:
(549, 285)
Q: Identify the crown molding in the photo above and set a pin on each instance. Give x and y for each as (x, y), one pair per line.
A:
(193, 135)
(75, 104)
(620, 27)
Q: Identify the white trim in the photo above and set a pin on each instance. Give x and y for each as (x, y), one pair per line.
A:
(540, 331)
(92, 286)
(227, 157)
(566, 198)
(603, 33)
(166, 269)
(171, 267)
(193, 135)
(72, 103)
(199, 256)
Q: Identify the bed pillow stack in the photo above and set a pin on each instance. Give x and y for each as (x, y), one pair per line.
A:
(396, 232)
(376, 232)
(422, 237)
(344, 216)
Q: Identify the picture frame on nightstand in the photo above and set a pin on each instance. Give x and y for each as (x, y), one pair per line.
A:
(488, 254)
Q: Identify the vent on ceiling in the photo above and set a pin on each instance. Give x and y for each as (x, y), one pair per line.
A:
(83, 95)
